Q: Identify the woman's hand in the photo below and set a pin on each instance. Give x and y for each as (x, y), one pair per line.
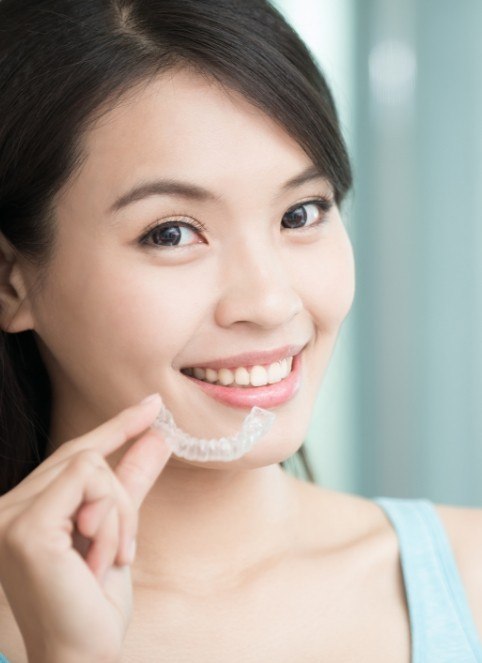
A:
(65, 534)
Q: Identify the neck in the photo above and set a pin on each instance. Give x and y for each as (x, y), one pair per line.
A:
(209, 526)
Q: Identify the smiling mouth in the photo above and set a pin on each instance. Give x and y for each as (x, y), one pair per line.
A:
(243, 377)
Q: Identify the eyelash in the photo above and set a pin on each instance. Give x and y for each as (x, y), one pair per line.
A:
(324, 203)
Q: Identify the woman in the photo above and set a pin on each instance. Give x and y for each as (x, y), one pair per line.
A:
(171, 178)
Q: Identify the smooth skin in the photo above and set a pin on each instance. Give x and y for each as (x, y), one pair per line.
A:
(237, 561)
(44, 563)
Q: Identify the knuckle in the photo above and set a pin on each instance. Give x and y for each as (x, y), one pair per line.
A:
(87, 459)
(136, 470)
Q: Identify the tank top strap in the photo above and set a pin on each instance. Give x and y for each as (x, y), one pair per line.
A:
(441, 622)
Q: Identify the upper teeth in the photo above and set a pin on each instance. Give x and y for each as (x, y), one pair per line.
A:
(256, 376)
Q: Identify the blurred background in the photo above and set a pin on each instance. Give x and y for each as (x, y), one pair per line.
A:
(398, 413)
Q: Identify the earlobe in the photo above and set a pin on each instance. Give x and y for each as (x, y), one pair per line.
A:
(15, 314)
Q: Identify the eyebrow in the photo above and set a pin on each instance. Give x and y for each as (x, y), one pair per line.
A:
(192, 191)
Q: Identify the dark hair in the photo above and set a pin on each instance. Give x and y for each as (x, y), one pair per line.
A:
(64, 63)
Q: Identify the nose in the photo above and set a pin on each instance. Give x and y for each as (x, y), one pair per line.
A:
(258, 287)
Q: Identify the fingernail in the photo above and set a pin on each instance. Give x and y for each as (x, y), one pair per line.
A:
(152, 397)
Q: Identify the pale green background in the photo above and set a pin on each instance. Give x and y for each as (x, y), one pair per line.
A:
(398, 413)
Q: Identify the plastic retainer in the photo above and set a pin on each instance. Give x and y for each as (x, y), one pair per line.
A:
(256, 423)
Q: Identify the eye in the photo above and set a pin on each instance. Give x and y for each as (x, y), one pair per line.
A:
(171, 232)
(167, 235)
(310, 214)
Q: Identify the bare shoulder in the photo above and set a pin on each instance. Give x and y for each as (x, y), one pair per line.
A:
(463, 526)
(347, 518)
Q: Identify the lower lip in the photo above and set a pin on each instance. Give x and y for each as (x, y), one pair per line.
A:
(247, 397)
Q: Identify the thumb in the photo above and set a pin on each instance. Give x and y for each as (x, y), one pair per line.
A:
(142, 463)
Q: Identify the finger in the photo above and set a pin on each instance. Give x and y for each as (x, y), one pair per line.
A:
(82, 480)
(135, 474)
(115, 432)
(141, 465)
(107, 437)
(90, 516)
(136, 419)
(104, 547)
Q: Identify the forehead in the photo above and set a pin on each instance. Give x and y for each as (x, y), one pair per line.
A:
(186, 125)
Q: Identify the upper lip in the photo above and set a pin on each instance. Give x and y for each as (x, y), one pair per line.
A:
(248, 359)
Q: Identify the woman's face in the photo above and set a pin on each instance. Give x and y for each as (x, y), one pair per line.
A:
(117, 319)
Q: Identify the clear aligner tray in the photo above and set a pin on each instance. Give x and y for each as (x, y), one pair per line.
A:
(256, 423)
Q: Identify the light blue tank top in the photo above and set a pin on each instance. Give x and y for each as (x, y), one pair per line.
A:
(441, 624)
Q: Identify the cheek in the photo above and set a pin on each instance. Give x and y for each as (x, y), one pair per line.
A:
(121, 313)
(328, 281)
(148, 312)
(115, 328)
(158, 306)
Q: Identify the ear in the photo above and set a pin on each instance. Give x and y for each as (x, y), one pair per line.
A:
(15, 312)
